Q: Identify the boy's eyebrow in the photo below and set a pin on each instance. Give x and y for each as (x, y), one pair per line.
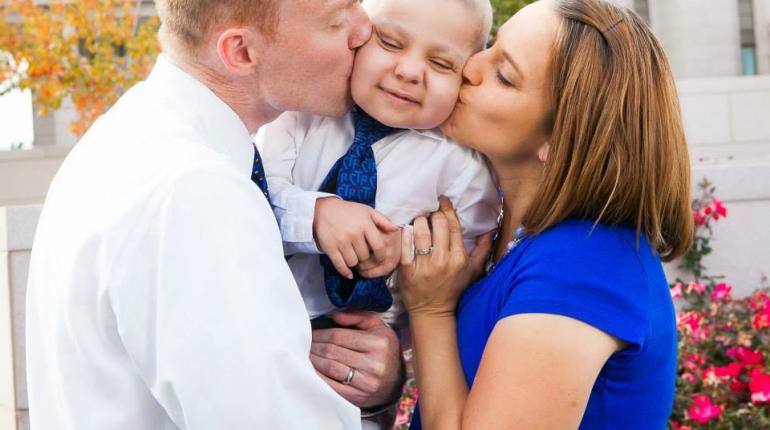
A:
(509, 58)
(441, 48)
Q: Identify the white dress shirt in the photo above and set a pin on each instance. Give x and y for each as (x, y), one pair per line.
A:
(158, 294)
(414, 168)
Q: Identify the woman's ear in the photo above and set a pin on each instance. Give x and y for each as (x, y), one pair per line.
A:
(542, 153)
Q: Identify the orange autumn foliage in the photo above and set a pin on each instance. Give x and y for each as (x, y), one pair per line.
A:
(89, 50)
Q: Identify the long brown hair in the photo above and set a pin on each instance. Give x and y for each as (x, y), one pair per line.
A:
(618, 154)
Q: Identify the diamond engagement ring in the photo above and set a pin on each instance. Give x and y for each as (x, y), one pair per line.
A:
(349, 378)
(424, 251)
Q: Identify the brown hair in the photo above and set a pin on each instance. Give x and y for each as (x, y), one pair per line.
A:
(618, 154)
(187, 23)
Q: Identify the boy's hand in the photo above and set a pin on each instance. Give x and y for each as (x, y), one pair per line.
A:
(373, 268)
(349, 233)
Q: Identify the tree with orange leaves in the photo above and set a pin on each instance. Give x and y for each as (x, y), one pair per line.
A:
(91, 51)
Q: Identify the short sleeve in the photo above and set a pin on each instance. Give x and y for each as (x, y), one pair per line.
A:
(591, 275)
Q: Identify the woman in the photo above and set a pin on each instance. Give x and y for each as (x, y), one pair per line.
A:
(573, 326)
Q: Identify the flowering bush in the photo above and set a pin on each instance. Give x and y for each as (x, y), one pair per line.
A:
(723, 377)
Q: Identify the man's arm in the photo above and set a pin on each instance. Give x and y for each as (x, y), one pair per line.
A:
(220, 333)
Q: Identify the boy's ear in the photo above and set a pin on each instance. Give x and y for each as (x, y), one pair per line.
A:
(542, 153)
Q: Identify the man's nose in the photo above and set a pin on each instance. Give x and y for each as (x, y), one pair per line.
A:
(362, 29)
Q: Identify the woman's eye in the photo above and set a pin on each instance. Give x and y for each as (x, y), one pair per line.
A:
(502, 80)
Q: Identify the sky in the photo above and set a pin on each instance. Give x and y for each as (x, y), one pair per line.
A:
(16, 119)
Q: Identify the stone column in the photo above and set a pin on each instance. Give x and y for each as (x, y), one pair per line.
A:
(701, 38)
(17, 228)
(762, 29)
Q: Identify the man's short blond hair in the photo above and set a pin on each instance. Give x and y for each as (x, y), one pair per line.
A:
(186, 24)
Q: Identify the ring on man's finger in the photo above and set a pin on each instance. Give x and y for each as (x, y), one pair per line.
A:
(349, 378)
(424, 251)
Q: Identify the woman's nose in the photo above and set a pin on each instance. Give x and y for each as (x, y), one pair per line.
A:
(472, 71)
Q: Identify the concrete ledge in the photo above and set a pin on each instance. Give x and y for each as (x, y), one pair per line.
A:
(17, 227)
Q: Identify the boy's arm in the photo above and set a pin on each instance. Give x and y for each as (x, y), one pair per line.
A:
(279, 143)
(313, 222)
(475, 198)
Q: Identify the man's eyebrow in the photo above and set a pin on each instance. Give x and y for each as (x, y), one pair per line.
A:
(509, 58)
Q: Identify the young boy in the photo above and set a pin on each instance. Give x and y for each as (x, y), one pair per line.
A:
(340, 185)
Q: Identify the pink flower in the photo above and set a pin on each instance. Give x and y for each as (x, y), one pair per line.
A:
(698, 288)
(689, 377)
(746, 356)
(732, 370)
(676, 291)
(698, 218)
(762, 319)
(691, 320)
(721, 292)
(759, 301)
(738, 386)
(718, 209)
(678, 426)
(703, 409)
(759, 386)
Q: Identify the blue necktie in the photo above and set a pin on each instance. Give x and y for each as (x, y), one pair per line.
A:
(354, 178)
(258, 174)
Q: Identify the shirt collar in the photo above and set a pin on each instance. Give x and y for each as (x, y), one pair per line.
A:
(222, 129)
(433, 133)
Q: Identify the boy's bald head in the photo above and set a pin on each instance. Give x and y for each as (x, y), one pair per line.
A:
(481, 10)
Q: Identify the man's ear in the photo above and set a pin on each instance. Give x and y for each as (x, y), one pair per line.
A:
(542, 153)
(237, 49)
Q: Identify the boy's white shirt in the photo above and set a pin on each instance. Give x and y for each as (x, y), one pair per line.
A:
(158, 294)
(414, 168)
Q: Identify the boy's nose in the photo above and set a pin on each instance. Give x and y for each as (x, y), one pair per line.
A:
(409, 70)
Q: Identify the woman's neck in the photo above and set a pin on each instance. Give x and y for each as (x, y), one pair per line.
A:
(519, 183)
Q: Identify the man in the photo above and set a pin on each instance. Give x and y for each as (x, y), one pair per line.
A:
(158, 296)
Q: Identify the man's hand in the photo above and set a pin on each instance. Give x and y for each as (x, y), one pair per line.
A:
(351, 233)
(373, 268)
(370, 347)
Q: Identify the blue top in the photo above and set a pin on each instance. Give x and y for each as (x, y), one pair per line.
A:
(604, 279)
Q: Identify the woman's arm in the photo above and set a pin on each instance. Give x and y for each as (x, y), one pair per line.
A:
(537, 370)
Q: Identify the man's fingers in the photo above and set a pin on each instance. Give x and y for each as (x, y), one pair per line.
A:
(362, 320)
(339, 264)
(360, 342)
(382, 222)
(455, 229)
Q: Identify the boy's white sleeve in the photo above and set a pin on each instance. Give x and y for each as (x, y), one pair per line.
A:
(279, 144)
(475, 198)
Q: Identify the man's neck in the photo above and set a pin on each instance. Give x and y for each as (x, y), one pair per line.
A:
(242, 98)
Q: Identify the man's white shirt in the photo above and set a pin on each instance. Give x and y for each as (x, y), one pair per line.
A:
(414, 168)
(158, 294)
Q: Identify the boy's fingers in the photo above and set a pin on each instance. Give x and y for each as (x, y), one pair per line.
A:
(339, 264)
(377, 243)
(382, 222)
(361, 249)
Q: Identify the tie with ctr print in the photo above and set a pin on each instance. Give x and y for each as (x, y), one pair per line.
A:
(354, 178)
(258, 174)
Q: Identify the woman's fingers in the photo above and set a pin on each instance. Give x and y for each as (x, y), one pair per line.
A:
(407, 245)
(440, 231)
(422, 236)
(480, 254)
(455, 229)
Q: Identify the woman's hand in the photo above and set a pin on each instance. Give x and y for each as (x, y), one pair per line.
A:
(431, 284)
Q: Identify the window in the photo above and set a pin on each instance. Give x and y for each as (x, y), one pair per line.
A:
(748, 37)
(642, 8)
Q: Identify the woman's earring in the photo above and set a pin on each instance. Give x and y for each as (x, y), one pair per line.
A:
(542, 153)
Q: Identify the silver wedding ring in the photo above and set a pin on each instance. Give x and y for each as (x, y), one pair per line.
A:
(349, 378)
(424, 251)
